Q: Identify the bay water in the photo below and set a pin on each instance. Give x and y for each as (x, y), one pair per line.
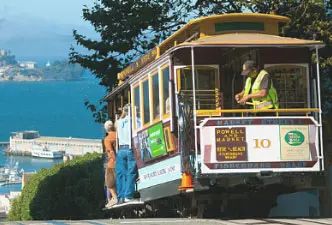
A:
(54, 108)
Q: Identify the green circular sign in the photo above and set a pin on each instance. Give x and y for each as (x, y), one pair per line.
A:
(294, 138)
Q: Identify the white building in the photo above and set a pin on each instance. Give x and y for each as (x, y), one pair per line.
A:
(27, 64)
(5, 202)
(24, 142)
(3, 52)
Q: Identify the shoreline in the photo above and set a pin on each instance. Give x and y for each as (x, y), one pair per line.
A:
(17, 153)
(41, 80)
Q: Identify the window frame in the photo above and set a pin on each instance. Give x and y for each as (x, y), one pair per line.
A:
(201, 112)
(161, 90)
(135, 85)
(178, 78)
(145, 124)
(139, 83)
(306, 66)
(154, 73)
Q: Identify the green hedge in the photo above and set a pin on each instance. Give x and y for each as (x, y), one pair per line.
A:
(71, 190)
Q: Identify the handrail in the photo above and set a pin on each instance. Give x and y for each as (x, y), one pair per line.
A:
(207, 112)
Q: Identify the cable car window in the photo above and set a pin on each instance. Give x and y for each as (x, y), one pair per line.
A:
(137, 108)
(155, 96)
(166, 102)
(146, 102)
(291, 84)
(206, 84)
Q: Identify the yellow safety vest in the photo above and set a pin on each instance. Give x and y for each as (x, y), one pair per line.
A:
(269, 101)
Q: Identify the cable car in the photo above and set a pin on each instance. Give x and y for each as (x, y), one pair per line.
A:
(201, 153)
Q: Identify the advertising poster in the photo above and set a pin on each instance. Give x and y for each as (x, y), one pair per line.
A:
(294, 142)
(231, 144)
(156, 140)
(144, 147)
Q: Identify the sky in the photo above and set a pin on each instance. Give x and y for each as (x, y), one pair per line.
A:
(35, 29)
(57, 11)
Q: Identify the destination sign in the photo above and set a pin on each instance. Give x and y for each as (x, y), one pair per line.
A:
(259, 121)
(231, 144)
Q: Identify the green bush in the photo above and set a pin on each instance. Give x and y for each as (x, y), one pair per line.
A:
(71, 190)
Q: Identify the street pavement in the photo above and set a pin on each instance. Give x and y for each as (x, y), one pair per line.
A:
(173, 221)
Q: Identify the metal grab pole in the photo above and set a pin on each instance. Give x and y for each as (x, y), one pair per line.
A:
(320, 110)
(194, 104)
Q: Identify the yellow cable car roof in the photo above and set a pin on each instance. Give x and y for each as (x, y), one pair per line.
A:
(251, 39)
(204, 26)
(206, 29)
(226, 17)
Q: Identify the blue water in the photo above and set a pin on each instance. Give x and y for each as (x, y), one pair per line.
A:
(29, 164)
(54, 108)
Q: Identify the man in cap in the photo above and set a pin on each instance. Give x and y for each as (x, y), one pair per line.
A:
(258, 88)
(126, 170)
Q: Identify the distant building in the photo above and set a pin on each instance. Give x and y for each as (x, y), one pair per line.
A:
(27, 64)
(5, 202)
(3, 52)
(29, 134)
(48, 64)
(25, 141)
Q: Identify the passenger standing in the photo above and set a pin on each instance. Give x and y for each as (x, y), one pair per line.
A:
(126, 170)
(109, 143)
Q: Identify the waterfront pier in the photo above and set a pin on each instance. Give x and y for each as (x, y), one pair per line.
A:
(24, 142)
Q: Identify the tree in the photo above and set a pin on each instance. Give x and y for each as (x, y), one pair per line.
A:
(70, 190)
(208, 7)
(127, 29)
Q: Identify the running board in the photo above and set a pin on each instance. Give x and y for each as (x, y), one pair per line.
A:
(126, 205)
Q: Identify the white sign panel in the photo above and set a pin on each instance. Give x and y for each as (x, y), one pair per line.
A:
(256, 144)
(294, 142)
(158, 173)
(263, 143)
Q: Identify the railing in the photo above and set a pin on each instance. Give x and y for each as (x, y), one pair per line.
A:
(209, 103)
(213, 112)
(205, 99)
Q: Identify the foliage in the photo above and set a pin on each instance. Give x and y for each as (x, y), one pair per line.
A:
(63, 70)
(30, 72)
(71, 190)
(208, 7)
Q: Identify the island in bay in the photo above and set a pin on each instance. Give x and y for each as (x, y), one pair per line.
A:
(13, 70)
